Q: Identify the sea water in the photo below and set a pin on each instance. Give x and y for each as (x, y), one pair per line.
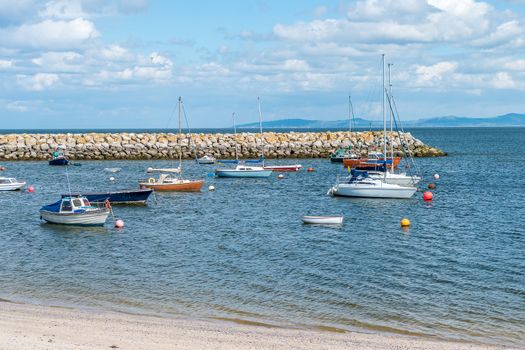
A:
(242, 252)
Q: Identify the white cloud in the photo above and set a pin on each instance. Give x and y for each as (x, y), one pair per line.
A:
(63, 9)
(430, 75)
(5, 64)
(503, 80)
(50, 34)
(37, 82)
(60, 61)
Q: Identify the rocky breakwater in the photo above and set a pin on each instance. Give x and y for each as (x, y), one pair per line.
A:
(166, 145)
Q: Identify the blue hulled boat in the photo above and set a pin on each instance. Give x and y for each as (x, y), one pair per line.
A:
(58, 157)
(139, 196)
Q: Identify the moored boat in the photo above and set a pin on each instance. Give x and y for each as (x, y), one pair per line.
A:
(10, 184)
(58, 157)
(341, 154)
(242, 170)
(292, 167)
(206, 160)
(373, 160)
(168, 183)
(359, 184)
(323, 220)
(135, 196)
(74, 210)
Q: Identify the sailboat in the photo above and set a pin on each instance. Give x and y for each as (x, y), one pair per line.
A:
(360, 184)
(387, 173)
(346, 152)
(243, 170)
(170, 179)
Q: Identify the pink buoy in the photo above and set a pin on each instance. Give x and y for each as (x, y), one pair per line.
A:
(310, 170)
(428, 196)
(436, 176)
(119, 223)
(30, 189)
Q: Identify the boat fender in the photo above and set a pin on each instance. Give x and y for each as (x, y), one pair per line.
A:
(151, 180)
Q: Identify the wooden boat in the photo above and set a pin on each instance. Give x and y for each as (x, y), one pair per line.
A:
(74, 210)
(136, 196)
(293, 167)
(10, 184)
(170, 179)
(167, 183)
(58, 157)
(323, 220)
(374, 160)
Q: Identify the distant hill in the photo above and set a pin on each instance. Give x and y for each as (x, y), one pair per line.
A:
(511, 119)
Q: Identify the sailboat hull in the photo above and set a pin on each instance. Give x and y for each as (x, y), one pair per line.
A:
(178, 186)
(350, 190)
(89, 218)
(233, 173)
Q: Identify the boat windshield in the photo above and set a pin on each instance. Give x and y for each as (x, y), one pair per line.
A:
(86, 202)
(5, 181)
(77, 202)
(66, 205)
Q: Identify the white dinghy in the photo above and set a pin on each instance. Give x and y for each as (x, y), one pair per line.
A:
(323, 220)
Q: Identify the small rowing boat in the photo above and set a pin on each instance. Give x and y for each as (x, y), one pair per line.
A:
(323, 220)
(293, 167)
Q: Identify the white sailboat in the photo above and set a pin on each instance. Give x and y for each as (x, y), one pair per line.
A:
(380, 184)
(243, 170)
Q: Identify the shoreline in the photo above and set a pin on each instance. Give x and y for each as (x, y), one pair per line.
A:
(27, 326)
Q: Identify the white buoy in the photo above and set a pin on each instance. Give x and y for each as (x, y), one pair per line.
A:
(436, 176)
(280, 176)
(211, 188)
(111, 178)
(119, 223)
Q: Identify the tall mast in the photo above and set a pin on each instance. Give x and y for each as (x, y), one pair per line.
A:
(391, 119)
(260, 129)
(349, 113)
(180, 134)
(235, 135)
(384, 115)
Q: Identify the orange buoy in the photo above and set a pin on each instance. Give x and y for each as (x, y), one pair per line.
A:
(431, 186)
(428, 196)
(310, 169)
(119, 223)
(30, 189)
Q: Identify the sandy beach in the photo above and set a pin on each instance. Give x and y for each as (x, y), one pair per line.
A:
(42, 327)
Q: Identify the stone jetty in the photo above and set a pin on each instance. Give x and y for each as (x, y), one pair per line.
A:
(166, 145)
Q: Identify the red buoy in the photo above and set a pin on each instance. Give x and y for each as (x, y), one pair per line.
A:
(428, 196)
(310, 169)
(30, 189)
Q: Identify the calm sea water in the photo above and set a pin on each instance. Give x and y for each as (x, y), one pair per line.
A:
(241, 252)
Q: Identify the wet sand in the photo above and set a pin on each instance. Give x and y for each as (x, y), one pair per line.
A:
(24, 326)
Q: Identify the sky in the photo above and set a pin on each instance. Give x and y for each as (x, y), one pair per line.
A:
(124, 63)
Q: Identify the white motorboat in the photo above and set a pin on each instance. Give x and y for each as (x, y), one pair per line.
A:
(74, 210)
(323, 220)
(10, 184)
(206, 160)
(112, 170)
(363, 186)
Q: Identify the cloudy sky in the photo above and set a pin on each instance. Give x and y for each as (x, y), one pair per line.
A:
(123, 63)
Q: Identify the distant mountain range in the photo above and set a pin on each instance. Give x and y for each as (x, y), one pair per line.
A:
(511, 119)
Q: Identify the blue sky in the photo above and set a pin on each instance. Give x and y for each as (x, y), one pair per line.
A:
(123, 63)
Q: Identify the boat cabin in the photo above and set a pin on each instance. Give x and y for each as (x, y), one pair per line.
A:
(74, 204)
(7, 180)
